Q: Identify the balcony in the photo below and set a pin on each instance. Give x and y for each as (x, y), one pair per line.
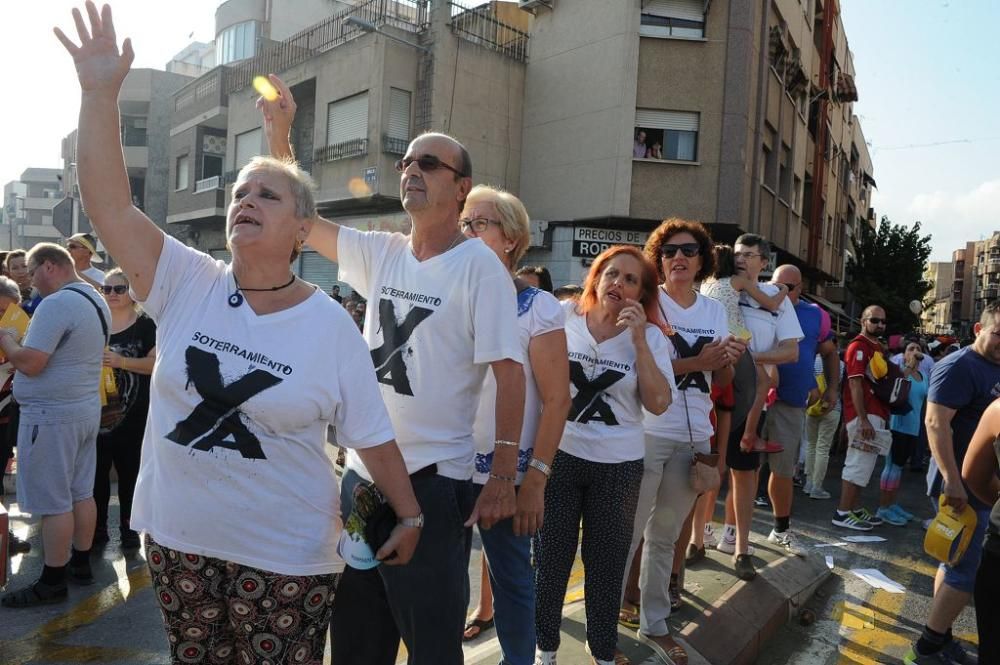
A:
(342, 150)
(394, 146)
(205, 184)
(136, 156)
(203, 101)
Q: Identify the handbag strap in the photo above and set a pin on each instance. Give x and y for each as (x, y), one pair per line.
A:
(100, 314)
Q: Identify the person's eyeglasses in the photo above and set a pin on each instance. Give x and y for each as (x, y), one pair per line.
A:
(792, 287)
(31, 270)
(478, 224)
(427, 163)
(877, 321)
(688, 249)
(119, 289)
(746, 255)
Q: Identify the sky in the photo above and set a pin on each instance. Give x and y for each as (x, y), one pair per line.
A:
(929, 91)
(927, 79)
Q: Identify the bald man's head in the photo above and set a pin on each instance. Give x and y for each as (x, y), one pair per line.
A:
(791, 277)
(873, 322)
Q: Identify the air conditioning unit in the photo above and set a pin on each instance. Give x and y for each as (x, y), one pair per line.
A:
(533, 5)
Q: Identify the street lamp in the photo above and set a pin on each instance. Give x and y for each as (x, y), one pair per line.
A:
(368, 26)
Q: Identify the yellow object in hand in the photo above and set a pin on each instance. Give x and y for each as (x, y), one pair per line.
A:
(266, 89)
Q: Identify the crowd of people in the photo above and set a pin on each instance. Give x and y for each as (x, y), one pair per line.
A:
(603, 418)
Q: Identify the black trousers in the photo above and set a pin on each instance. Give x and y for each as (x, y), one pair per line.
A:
(122, 447)
(987, 595)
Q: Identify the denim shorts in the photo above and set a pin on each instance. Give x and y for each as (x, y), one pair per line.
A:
(962, 576)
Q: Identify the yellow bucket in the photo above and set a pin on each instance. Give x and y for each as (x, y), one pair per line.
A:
(950, 532)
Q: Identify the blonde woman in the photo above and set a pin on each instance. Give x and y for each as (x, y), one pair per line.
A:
(500, 220)
(130, 354)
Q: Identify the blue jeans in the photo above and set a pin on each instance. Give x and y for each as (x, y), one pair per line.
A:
(423, 602)
(513, 582)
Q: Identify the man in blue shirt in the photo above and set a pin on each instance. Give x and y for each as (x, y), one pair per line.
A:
(785, 418)
(962, 386)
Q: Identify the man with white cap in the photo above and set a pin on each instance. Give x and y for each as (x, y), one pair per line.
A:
(83, 248)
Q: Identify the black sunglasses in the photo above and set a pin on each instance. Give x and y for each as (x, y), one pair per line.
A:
(427, 163)
(791, 287)
(877, 321)
(119, 289)
(688, 249)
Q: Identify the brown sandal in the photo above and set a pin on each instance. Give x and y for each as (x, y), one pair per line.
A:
(670, 653)
(629, 618)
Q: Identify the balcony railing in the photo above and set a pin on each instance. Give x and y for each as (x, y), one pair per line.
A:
(342, 150)
(481, 26)
(394, 146)
(409, 15)
(205, 184)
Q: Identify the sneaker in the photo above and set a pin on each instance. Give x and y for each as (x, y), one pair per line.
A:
(819, 493)
(762, 501)
(889, 515)
(851, 521)
(744, 567)
(130, 539)
(709, 539)
(16, 545)
(545, 657)
(808, 487)
(874, 520)
(936, 658)
(787, 540)
(959, 655)
(729, 547)
(906, 515)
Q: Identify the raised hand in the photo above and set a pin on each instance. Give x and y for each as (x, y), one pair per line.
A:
(99, 65)
(278, 113)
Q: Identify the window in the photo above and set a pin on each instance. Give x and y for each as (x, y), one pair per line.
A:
(237, 42)
(785, 174)
(347, 119)
(133, 131)
(673, 18)
(399, 114)
(769, 177)
(669, 135)
(247, 147)
(181, 175)
(211, 166)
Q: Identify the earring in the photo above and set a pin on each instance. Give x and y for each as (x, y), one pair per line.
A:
(507, 251)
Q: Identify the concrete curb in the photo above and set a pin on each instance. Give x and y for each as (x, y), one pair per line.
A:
(733, 630)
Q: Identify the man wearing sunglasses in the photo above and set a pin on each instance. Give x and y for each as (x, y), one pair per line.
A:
(443, 312)
(864, 415)
(83, 248)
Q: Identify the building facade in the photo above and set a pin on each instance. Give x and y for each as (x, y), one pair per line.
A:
(29, 205)
(936, 316)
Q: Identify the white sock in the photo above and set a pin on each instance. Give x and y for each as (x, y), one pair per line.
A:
(729, 532)
(709, 528)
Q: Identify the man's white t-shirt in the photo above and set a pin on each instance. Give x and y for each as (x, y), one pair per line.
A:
(605, 418)
(702, 323)
(235, 463)
(433, 328)
(95, 274)
(769, 328)
(538, 313)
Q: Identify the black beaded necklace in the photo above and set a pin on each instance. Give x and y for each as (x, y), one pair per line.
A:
(236, 299)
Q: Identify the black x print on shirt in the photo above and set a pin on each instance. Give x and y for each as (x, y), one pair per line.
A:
(217, 416)
(589, 404)
(388, 358)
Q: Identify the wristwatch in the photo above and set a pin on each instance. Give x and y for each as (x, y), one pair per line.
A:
(539, 465)
(415, 522)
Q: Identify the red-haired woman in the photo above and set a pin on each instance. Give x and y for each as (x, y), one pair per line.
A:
(619, 364)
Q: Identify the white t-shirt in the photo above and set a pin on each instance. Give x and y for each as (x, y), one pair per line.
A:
(538, 313)
(95, 274)
(235, 463)
(703, 322)
(925, 367)
(433, 327)
(605, 419)
(768, 328)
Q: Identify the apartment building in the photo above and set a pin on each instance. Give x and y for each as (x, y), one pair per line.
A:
(985, 286)
(361, 96)
(737, 114)
(29, 205)
(936, 317)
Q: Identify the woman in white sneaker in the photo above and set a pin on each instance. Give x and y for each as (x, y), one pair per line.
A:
(704, 353)
(619, 364)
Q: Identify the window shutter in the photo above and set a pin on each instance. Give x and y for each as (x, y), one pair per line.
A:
(347, 119)
(677, 120)
(689, 10)
(315, 268)
(248, 145)
(399, 114)
(182, 173)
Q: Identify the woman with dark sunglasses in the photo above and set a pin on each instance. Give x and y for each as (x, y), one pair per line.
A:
(131, 354)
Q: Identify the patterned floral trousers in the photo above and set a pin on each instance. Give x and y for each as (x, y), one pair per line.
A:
(220, 612)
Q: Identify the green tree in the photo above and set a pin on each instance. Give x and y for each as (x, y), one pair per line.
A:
(889, 271)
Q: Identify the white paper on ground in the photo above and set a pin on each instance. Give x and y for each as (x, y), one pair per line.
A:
(877, 579)
(829, 561)
(840, 544)
(864, 539)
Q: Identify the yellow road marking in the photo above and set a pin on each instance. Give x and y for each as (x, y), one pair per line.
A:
(41, 643)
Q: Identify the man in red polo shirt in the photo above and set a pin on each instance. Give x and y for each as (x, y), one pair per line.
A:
(866, 417)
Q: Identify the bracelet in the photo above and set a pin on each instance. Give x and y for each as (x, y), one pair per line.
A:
(539, 465)
(503, 442)
(123, 364)
(506, 479)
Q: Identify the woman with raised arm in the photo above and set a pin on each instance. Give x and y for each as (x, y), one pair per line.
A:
(241, 397)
